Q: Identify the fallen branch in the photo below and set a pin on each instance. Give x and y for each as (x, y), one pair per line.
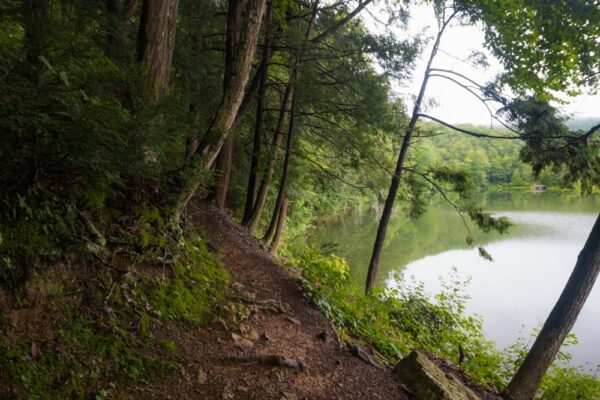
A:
(360, 353)
(271, 360)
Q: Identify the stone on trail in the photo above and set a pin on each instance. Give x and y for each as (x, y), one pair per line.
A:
(429, 382)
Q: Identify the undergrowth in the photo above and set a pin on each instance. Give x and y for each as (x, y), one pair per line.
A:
(101, 336)
(395, 321)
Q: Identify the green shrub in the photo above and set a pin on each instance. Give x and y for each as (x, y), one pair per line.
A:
(395, 321)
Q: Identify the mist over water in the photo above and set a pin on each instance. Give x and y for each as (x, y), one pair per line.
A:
(516, 291)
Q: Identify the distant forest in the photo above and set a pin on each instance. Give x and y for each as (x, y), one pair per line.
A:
(489, 161)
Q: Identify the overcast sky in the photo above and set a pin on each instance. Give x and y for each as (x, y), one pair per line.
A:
(454, 104)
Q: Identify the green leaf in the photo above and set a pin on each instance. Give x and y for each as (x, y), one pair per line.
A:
(47, 64)
(65, 78)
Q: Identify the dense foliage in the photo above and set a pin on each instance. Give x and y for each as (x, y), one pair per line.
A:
(114, 114)
(397, 320)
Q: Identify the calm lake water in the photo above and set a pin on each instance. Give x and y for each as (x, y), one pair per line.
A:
(516, 291)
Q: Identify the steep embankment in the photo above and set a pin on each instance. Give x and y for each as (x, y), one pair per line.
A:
(236, 359)
(125, 325)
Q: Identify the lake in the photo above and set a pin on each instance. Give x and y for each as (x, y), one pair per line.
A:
(516, 291)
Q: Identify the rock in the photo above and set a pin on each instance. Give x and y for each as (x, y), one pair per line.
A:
(242, 343)
(429, 382)
(290, 396)
(253, 335)
(34, 351)
(202, 377)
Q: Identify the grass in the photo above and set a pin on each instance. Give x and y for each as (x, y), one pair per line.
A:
(98, 344)
(395, 321)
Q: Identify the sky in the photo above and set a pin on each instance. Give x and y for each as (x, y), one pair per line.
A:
(452, 103)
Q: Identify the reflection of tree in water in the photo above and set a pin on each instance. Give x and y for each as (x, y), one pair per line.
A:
(438, 230)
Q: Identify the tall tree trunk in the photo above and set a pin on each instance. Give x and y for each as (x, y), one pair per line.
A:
(288, 104)
(261, 197)
(280, 226)
(156, 41)
(223, 167)
(225, 158)
(391, 197)
(283, 184)
(526, 381)
(35, 24)
(228, 108)
(259, 124)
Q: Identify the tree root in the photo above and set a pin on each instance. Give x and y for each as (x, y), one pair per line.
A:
(360, 353)
(271, 360)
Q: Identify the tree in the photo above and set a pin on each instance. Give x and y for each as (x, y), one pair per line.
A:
(579, 154)
(559, 323)
(391, 197)
(530, 60)
(156, 41)
(225, 115)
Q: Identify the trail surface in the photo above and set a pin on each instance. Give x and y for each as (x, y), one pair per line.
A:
(280, 346)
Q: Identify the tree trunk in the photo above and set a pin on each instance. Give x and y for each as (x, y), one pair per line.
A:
(526, 381)
(280, 226)
(288, 104)
(230, 103)
(261, 197)
(225, 158)
(259, 124)
(223, 167)
(283, 184)
(35, 24)
(156, 41)
(391, 197)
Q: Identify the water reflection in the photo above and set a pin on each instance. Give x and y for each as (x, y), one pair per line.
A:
(530, 268)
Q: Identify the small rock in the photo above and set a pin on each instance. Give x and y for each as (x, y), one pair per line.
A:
(202, 377)
(290, 396)
(264, 337)
(35, 352)
(253, 335)
(237, 286)
(248, 296)
(245, 344)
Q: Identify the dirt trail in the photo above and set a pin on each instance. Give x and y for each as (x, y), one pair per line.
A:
(216, 361)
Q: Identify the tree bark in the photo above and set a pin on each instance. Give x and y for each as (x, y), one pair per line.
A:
(230, 103)
(261, 197)
(283, 184)
(526, 381)
(280, 226)
(156, 41)
(391, 197)
(259, 124)
(287, 106)
(225, 158)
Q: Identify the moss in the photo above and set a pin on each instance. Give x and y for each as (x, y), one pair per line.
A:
(95, 354)
(197, 284)
(170, 347)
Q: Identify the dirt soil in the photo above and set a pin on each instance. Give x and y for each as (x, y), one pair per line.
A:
(280, 347)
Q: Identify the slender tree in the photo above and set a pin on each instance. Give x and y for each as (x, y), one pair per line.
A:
(225, 158)
(263, 74)
(392, 193)
(526, 381)
(226, 113)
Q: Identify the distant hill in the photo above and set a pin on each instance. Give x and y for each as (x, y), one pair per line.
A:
(583, 123)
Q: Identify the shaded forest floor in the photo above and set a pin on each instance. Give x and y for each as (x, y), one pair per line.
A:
(236, 359)
(80, 329)
(242, 359)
